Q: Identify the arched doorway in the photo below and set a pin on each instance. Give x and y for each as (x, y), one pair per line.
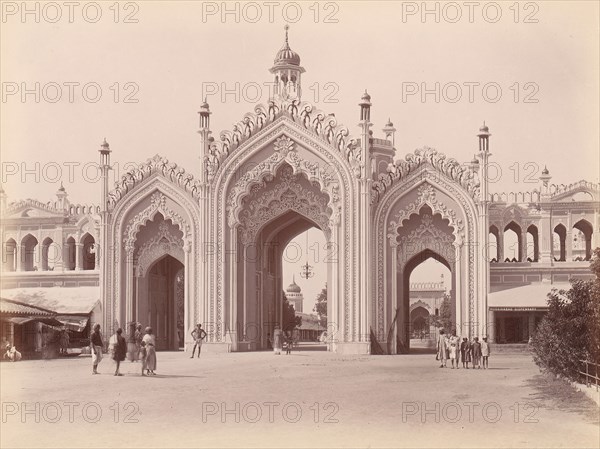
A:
(159, 292)
(286, 206)
(424, 235)
(162, 307)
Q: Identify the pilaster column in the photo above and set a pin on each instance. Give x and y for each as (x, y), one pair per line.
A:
(188, 303)
(545, 239)
(129, 280)
(458, 293)
(78, 256)
(524, 248)
(569, 245)
(394, 276)
(500, 246)
(18, 256)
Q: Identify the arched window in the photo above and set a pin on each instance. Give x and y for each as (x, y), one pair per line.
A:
(533, 249)
(512, 243)
(48, 255)
(584, 240)
(29, 252)
(559, 240)
(89, 252)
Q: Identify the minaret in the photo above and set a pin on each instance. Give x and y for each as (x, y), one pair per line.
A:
(390, 132)
(546, 233)
(62, 195)
(204, 131)
(103, 245)
(480, 326)
(288, 72)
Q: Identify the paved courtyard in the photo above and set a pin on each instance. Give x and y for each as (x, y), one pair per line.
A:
(307, 399)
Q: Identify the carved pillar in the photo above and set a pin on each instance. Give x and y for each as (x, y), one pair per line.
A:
(232, 290)
(335, 325)
(569, 244)
(20, 252)
(129, 280)
(524, 248)
(394, 276)
(500, 246)
(78, 256)
(188, 317)
(545, 239)
(458, 291)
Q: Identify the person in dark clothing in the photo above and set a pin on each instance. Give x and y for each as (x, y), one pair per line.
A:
(120, 350)
(96, 348)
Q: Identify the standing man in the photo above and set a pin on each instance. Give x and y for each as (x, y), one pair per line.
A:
(485, 352)
(198, 334)
(442, 348)
(96, 348)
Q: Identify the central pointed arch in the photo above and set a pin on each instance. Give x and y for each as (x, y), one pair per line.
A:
(247, 168)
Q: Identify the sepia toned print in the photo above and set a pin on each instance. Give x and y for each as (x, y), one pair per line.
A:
(300, 224)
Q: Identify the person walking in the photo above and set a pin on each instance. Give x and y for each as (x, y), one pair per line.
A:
(277, 340)
(150, 342)
(120, 350)
(198, 334)
(476, 353)
(96, 348)
(485, 352)
(442, 348)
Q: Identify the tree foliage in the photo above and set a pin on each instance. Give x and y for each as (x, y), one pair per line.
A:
(290, 320)
(321, 307)
(570, 331)
(444, 317)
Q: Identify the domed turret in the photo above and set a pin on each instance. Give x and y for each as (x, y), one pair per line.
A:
(294, 295)
(287, 71)
(293, 288)
(286, 55)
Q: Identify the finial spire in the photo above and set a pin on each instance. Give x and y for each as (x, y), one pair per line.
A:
(286, 28)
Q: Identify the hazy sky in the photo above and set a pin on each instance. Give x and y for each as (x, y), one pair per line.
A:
(546, 112)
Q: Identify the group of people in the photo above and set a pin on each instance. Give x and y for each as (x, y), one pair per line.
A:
(138, 346)
(280, 341)
(450, 347)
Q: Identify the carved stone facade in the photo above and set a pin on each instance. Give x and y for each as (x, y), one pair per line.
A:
(282, 169)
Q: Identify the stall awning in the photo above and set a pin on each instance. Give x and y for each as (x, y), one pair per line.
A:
(62, 300)
(76, 323)
(52, 322)
(522, 297)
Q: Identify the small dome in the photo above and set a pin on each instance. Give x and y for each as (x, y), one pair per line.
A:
(61, 188)
(366, 96)
(545, 171)
(475, 161)
(293, 288)
(104, 143)
(389, 124)
(286, 55)
(484, 128)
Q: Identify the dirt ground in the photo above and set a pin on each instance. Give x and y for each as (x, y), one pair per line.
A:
(306, 399)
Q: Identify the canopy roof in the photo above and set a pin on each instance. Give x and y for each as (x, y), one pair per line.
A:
(62, 300)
